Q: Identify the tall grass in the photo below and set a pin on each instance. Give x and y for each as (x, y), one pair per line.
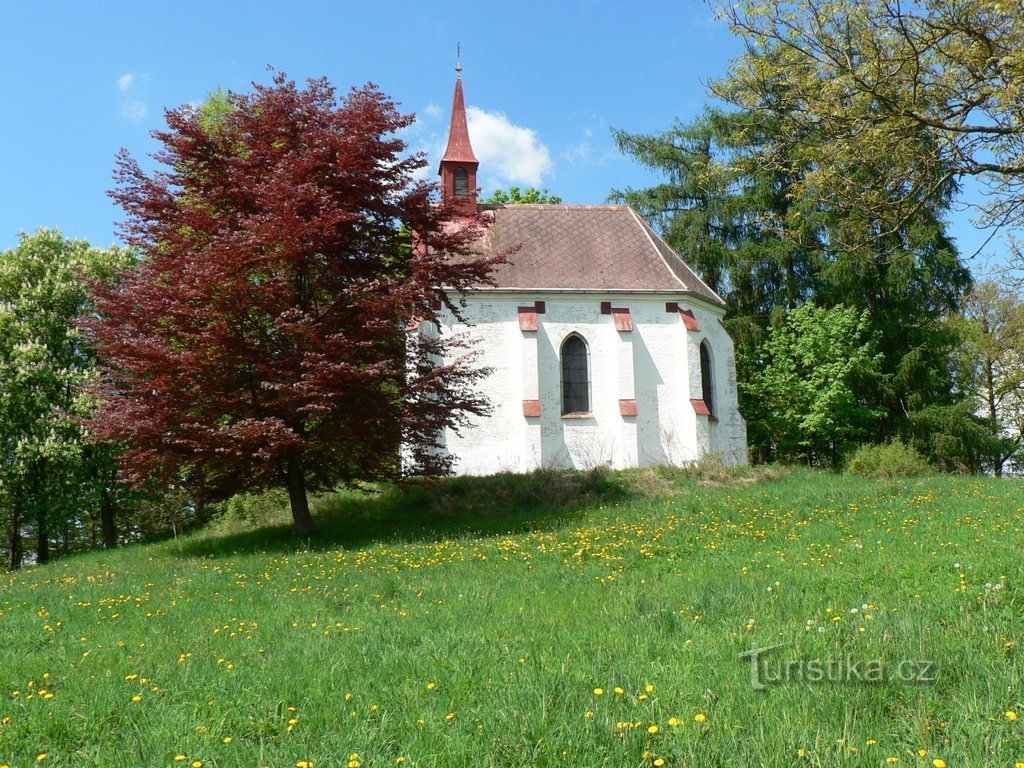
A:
(474, 622)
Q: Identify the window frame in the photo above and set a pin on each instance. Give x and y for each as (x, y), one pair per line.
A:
(460, 178)
(707, 377)
(563, 378)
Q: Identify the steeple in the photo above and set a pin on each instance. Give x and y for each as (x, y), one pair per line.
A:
(459, 164)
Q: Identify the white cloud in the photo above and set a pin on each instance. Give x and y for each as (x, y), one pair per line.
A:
(509, 152)
(132, 105)
(578, 153)
(432, 111)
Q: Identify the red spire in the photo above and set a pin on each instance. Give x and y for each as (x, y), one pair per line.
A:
(459, 148)
(459, 164)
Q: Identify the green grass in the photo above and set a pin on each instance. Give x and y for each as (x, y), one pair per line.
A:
(470, 622)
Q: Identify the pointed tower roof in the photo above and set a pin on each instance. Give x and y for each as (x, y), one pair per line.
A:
(459, 149)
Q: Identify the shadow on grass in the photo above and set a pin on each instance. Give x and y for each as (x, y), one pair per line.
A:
(429, 510)
(425, 510)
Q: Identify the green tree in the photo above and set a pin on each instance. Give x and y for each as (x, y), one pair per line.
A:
(517, 196)
(46, 364)
(807, 397)
(730, 215)
(732, 203)
(864, 75)
(991, 363)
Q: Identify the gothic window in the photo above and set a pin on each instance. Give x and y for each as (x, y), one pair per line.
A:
(707, 381)
(575, 376)
(461, 182)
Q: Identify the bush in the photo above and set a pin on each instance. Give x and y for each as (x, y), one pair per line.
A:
(895, 459)
(252, 510)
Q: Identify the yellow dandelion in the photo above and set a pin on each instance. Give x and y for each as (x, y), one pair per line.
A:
(227, 739)
(871, 742)
(41, 756)
(619, 690)
(801, 753)
(1011, 716)
(649, 688)
(180, 758)
(653, 729)
(599, 691)
(892, 759)
(450, 716)
(700, 717)
(939, 763)
(590, 713)
(659, 762)
(922, 752)
(674, 721)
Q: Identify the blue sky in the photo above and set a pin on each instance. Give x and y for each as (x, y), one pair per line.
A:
(545, 82)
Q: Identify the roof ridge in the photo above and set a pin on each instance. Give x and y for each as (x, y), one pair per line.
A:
(684, 262)
(639, 221)
(575, 206)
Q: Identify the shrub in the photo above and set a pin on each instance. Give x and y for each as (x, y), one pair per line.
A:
(252, 510)
(895, 459)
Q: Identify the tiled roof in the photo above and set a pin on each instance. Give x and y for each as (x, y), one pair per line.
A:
(593, 247)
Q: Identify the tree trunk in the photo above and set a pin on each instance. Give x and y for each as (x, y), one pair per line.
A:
(107, 521)
(14, 558)
(42, 535)
(38, 475)
(202, 512)
(993, 413)
(295, 478)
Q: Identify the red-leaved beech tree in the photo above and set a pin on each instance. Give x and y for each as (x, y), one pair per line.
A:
(261, 341)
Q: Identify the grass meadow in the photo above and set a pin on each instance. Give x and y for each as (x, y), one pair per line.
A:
(552, 620)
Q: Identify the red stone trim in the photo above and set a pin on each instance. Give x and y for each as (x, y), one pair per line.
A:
(700, 407)
(527, 319)
(627, 407)
(531, 408)
(689, 320)
(623, 320)
(528, 316)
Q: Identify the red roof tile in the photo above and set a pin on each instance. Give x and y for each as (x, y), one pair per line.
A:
(592, 247)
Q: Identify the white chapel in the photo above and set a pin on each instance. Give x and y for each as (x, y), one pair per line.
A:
(605, 347)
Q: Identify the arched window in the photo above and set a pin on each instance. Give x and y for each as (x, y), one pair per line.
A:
(461, 182)
(707, 378)
(575, 376)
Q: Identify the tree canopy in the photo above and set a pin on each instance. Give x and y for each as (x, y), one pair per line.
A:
(517, 196)
(52, 481)
(733, 205)
(261, 341)
(812, 389)
(944, 80)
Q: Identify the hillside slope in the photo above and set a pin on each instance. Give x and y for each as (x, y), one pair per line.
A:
(596, 626)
